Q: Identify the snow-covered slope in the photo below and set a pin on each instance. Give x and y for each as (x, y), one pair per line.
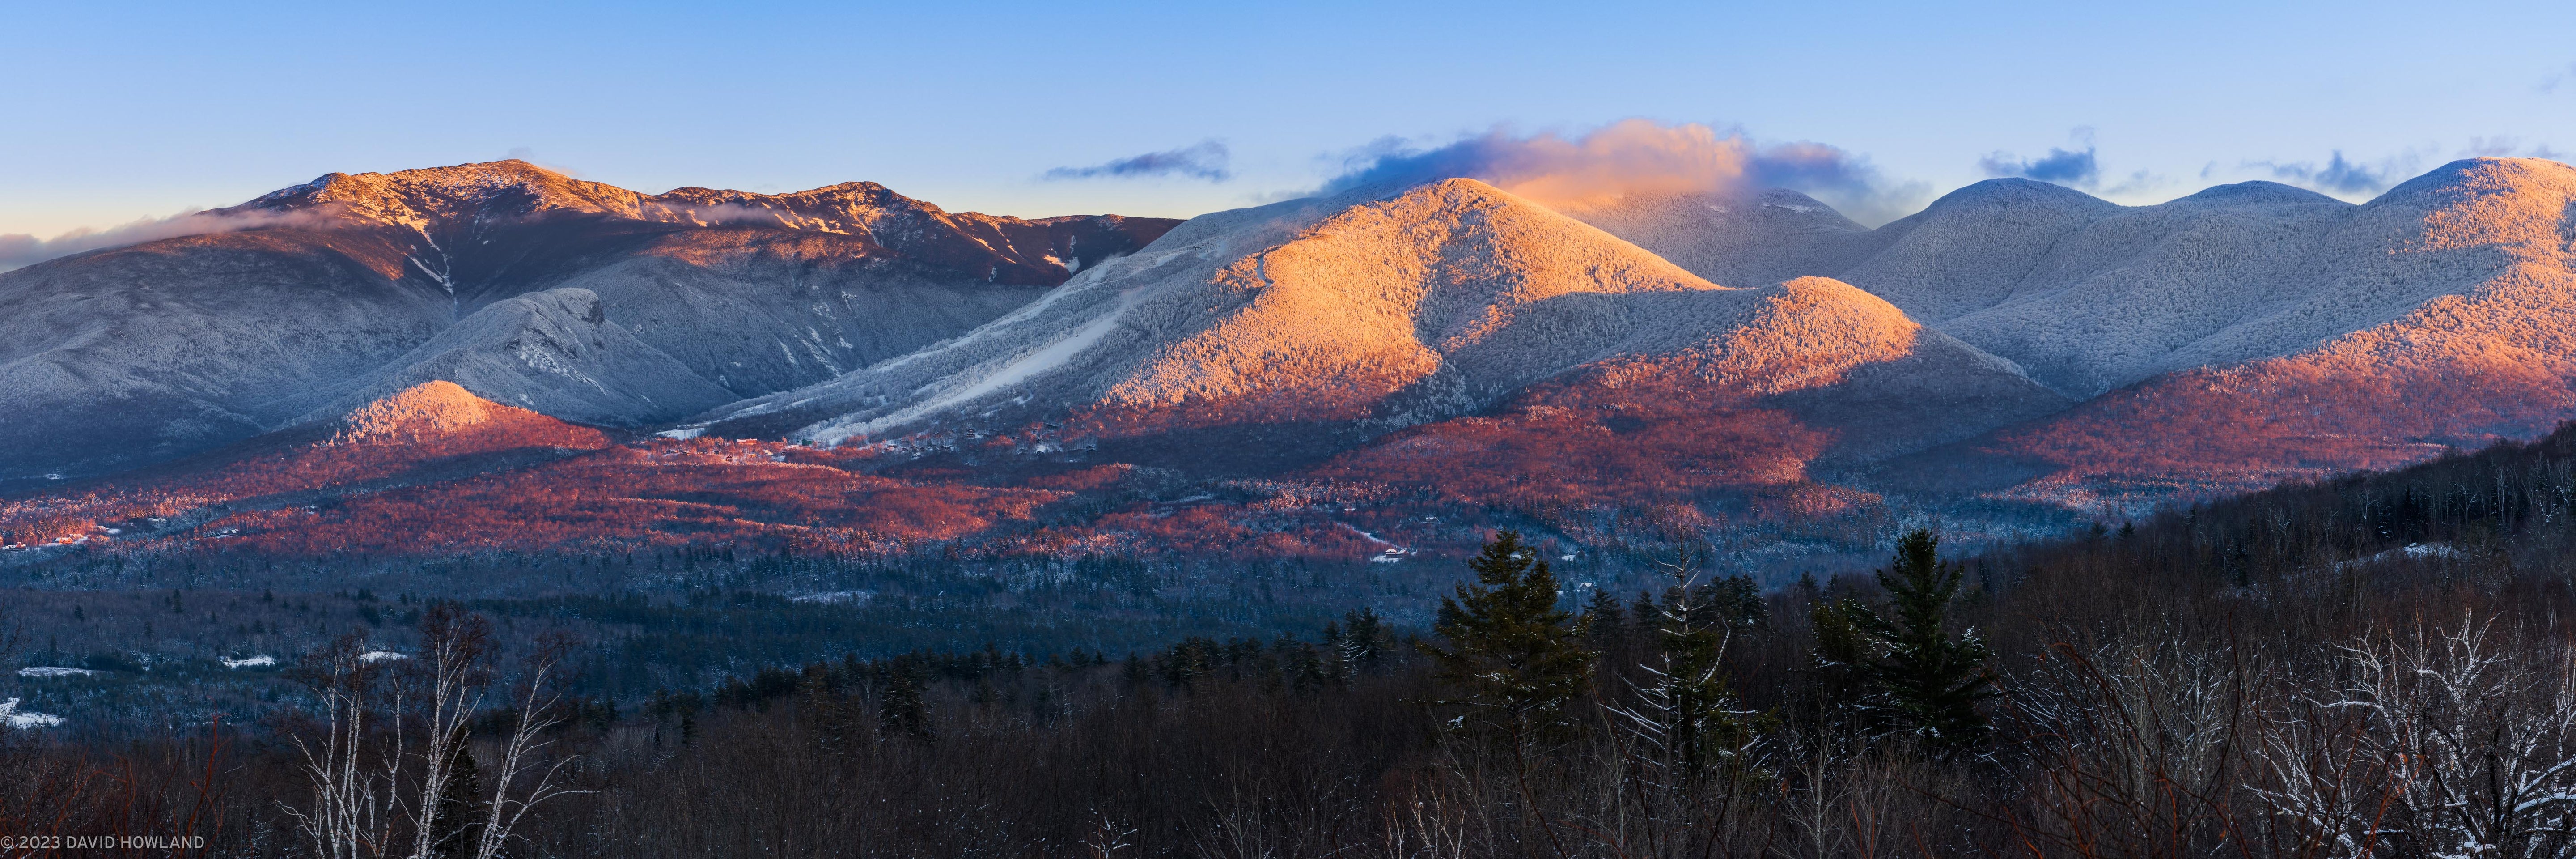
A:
(553, 352)
(2089, 296)
(1377, 309)
(2441, 314)
(1738, 239)
(353, 285)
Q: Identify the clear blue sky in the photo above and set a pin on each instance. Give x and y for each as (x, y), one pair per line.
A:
(115, 111)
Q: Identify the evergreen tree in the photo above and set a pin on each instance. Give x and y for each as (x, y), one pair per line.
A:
(1365, 639)
(1924, 680)
(1843, 659)
(900, 709)
(462, 808)
(1510, 648)
(1686, 712)
(1604, 622)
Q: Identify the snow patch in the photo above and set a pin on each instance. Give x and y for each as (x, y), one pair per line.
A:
(836, 598)
(262, 661)
(54, 671)
(16, 720)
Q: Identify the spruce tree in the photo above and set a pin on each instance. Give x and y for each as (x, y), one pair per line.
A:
(1604, 622)
(1925, 680)
(1687, 711)
(1365, 638)
(900, 710)
(1510, 648)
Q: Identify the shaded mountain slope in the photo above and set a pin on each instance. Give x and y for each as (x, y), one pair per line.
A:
(137, 354)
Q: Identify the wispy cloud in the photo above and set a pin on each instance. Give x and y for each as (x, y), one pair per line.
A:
(1635, 157)
(2068, 167)
(2562, 79)
(20, 249)
(2507, 147)
(2490, 147)
(2074, 168)
(1206, 160)
(522, 153)
(2341, 175)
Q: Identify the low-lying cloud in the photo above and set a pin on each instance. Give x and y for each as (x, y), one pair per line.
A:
(18, 250)
(719, 213)
(1206, 160)
(1636, 157)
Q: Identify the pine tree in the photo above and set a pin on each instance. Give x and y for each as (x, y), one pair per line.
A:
(1510, 647)
(1923, 680)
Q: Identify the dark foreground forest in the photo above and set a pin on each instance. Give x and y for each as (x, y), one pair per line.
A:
(2371, 667)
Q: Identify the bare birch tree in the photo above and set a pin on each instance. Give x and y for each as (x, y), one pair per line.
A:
(525, 777)
(354, 808)
(450, 675)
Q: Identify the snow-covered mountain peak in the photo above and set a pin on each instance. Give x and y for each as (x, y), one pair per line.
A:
(2255, 193)
(1368, 310)
(420, 197)
(2017, 192)
(2484, 176)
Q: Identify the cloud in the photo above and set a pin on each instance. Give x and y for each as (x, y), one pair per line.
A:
(2069, 167)
(2508, 147)
(1634, 157)
(522, 153)
(2340, 175)
(21, 249)
(2564, 78)
(1204, 160)
(2060, 166)
(2139, 182)
(719, 213)
(2490, 147)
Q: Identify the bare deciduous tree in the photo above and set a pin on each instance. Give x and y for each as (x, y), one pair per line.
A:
(354, 808)
(2454, 745)
(525, 777)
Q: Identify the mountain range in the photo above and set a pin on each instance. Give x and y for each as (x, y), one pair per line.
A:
(579, 300)
(1733, 357)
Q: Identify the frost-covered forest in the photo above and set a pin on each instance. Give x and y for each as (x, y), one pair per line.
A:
(2372, 666)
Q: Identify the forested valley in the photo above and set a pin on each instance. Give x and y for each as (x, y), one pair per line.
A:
(2370, 666)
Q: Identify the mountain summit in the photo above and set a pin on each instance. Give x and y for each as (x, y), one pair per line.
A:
(571, 298)
(1349, 317)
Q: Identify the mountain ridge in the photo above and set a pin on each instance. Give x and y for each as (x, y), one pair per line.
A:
(156, 350)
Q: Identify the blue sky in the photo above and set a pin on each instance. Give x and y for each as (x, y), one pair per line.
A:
(122, 111)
